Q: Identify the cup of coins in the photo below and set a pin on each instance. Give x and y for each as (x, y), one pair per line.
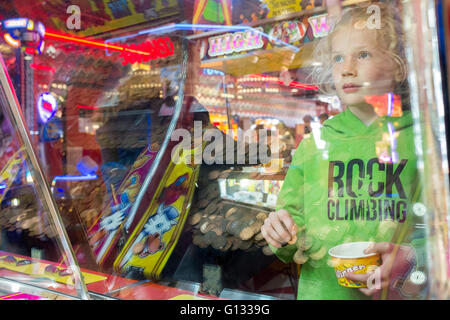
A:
(350, 257)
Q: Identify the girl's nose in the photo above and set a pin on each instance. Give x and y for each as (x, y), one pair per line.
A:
(349, 68)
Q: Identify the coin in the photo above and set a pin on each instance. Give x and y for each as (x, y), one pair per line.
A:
(138, 247)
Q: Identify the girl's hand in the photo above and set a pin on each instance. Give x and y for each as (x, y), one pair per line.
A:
(396, 261)
(279, 228)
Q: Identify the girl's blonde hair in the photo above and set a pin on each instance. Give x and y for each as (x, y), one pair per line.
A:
(390, 37)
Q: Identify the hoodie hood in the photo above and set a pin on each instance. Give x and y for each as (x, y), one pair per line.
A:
(346, 124)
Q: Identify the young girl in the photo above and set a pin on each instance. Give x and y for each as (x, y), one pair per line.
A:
(356, 179)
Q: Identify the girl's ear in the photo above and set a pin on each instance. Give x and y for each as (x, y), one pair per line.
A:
(401, 71)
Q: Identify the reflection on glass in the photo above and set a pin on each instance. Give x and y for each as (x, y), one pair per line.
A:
(303, 169)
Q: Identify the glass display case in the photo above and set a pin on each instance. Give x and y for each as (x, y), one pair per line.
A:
(148, 149)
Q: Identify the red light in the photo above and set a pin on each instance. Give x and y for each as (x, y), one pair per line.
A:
(291, 84)
(87, 107)
(43, 68)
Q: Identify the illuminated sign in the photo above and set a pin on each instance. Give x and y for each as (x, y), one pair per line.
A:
(47, 107)
(25, 33)
(280, 34)
(288, 31)
(235, 42)
(52, 130)
(319, 25)
(149, 50)
(16, 23)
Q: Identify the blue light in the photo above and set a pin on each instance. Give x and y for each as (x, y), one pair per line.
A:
(40, 49)
(390, 104)
(185, 26)
(75, 177)
(41, 29)
(212, 72)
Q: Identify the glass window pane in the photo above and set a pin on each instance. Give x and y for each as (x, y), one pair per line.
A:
(36, 261)
(236, 149)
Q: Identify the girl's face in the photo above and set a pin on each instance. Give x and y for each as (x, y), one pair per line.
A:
(360, 67)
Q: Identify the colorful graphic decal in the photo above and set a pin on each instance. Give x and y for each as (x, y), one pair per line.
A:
(115, 218)
(9, 173)
(158, 48)
(153, 240)
(235, 42)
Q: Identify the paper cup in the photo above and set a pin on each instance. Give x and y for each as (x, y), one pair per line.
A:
(350, 257)
(274, 165)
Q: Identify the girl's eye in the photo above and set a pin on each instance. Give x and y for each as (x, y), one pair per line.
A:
(338, 58)
(364, 55)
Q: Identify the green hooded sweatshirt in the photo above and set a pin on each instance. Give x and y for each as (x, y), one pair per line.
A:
(338, 190)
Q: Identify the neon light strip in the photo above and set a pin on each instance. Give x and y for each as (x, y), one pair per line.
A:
(301, 85)
(226, 12)
(291, 84)
(46, 98)
(43, 68)
(74, 178)
(186, 26)
(87, 107)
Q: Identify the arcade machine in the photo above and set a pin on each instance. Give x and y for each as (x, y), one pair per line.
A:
(102, 196)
